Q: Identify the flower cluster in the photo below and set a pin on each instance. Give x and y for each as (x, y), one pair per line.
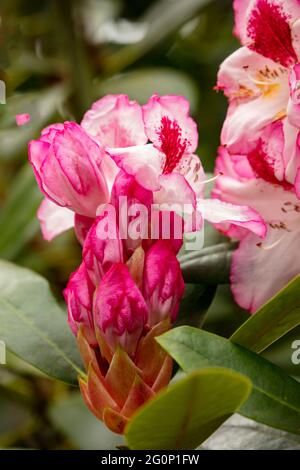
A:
(127, 289)
(259, 160)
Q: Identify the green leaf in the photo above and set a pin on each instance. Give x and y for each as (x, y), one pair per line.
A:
(275, 399)
(18, 221)
(276, 318)
(188, 412)
(239, 433)
(195, 303)
(33, 326)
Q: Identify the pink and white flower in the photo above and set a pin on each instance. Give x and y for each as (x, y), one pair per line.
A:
(261, 80)
(169, 168)
(259, 268)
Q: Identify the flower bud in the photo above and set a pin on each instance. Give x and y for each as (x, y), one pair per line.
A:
(79, 298)
(163, 285)
(67, 166)
(101, 253)
(120, 311)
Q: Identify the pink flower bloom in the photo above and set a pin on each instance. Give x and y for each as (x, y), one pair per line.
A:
(163, 284)
(163, 165)
(168, 166)
(120, 311)
(22, 119)
(259, 268)
(67, 166)
(261, 80)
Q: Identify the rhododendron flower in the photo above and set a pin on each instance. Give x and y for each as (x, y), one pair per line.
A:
(259, 268)
(261, 80)
(169, 168)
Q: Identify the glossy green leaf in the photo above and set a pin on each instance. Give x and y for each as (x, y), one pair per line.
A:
(275, 399)
(275, 319)
(240, 433)
(33, 326)
(188, 412)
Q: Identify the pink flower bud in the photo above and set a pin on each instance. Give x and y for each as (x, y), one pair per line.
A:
(163, 285)
(67, 165)
(100, 253)
(120, 311)
(79, 298)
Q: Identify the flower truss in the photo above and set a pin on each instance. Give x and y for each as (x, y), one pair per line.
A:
(259, 161)
(128, 287)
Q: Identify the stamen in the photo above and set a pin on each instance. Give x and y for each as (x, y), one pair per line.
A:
(210, 180)
(273, 245)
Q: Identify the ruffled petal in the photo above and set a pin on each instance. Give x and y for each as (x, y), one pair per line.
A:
(167, 123)
(115, 121)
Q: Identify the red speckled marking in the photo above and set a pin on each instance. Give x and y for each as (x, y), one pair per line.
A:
(172, 144)
(264, 169)
(270, 32)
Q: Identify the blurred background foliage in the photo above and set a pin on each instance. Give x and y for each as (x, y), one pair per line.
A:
(56, 58)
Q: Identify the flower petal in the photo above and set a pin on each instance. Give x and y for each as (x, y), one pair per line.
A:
(258, 91)
(259, 271)
(174, 189)
(216, 212)
(115, 121)
(176, 110)
(267, 27)
(54, 219)
(144, 162)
